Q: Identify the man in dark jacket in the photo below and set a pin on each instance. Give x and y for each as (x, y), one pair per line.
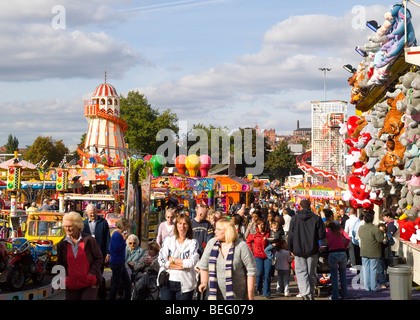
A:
(306, 229)
(98, 227)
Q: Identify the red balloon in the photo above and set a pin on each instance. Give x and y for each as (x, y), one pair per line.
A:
(180, 164)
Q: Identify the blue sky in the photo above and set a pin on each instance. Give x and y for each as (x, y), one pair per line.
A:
(233, 63)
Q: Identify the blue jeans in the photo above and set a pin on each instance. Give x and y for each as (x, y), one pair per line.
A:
(269, 251)
(263, 276)
(382, 271)
(370, 268)
(119, 277)
(173, 292)
(337, 262)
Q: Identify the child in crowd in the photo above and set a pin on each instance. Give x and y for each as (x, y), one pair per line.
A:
(276, 234)
(283, 259)
(387, 243)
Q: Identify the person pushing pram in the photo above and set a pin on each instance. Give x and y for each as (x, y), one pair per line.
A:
(145, 273)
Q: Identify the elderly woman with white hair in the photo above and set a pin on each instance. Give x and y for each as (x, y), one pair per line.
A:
(133, 251)
(82, 259)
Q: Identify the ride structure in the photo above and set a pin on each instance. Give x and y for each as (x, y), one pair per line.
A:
(104, 142)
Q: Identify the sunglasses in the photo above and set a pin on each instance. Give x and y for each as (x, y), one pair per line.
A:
(131, 243)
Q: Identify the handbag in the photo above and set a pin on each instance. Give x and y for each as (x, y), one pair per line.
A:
(163, 278)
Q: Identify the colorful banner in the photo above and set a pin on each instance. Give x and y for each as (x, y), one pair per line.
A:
(87, 174)
(186, 184)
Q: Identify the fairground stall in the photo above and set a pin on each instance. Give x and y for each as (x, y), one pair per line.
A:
(383, 136)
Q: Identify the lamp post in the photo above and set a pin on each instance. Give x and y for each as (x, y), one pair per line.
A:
(325, 80)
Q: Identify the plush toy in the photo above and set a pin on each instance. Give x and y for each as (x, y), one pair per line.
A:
(359, 193)
(392, 122)
(397, 37)
(407, 229)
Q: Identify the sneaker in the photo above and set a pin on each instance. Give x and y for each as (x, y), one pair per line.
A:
(353, 269)
(299, 295)
(287, 294)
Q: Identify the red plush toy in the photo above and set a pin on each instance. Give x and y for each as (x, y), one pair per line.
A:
(352, 125)
(407, 229)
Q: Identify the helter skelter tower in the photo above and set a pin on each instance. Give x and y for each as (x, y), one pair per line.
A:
(104, 142)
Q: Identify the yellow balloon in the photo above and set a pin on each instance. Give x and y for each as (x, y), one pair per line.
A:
(193, 163)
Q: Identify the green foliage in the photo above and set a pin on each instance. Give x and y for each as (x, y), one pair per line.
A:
(12, 145)
(144, 122)
(141, 167)
(53, 151)
(281, 162)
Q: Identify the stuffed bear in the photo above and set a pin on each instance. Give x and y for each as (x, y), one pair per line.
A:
(397, 35)
(407, 229)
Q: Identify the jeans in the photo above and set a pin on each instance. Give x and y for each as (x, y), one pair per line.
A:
(173, 292)
(370, 268)
(382, 271)
(263, 276)
(283, 277)
(269, 251)
(119, 277)
(305, 269)
(337, 262)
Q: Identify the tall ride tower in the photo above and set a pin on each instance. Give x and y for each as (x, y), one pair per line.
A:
(105, 135)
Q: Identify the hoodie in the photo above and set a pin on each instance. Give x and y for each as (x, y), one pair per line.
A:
(306, 229)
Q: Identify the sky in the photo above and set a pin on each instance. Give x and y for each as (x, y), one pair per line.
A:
(227, 63)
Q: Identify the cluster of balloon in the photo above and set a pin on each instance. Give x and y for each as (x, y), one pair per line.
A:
(192, 163)
(158, 162)
(205, 165)
(180, 164)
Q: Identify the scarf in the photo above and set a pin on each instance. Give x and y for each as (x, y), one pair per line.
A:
(212, 272)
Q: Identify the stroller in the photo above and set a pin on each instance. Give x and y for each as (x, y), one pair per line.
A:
(323, 287)
(145, 286)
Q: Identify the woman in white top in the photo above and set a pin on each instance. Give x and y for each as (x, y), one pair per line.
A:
(166, 228)
(178, 256)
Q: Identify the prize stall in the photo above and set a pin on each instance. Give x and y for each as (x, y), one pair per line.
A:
(383, 137)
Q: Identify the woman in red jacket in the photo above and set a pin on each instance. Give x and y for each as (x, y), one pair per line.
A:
(257, 243)
(81, 256)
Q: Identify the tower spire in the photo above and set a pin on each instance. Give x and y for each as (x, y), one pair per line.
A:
(105, 76)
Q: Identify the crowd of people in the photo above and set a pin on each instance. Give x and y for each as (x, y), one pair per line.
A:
(235, 255)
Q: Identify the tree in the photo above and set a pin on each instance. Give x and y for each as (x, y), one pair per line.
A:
(281, 162)
(144, 122)
(12, 145)
(75, 155)
(48, 148)
(250, 151)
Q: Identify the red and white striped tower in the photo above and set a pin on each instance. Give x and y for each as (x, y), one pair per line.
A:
(105, 135)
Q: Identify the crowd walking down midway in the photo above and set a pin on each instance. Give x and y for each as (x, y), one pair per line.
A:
(203, 254)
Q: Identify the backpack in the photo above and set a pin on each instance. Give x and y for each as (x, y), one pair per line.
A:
(353, 233)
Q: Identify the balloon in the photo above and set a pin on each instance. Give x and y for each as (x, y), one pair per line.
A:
(193, 164)
(158, 162)
(148, 157)
(180, 163)
(205, 165)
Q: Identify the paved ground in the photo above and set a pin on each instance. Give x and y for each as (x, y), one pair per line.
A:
(355, 292)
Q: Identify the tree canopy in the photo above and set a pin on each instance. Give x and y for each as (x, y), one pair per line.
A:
(144, 122)
(48, 148)
(281, 162)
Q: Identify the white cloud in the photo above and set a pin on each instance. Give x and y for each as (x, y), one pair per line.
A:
(33, 49)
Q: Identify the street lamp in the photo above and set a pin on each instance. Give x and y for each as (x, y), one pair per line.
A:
(349, 68)
(325, 80)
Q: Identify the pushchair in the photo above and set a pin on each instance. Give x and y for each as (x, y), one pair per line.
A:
(323, 287)
(145, 287)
